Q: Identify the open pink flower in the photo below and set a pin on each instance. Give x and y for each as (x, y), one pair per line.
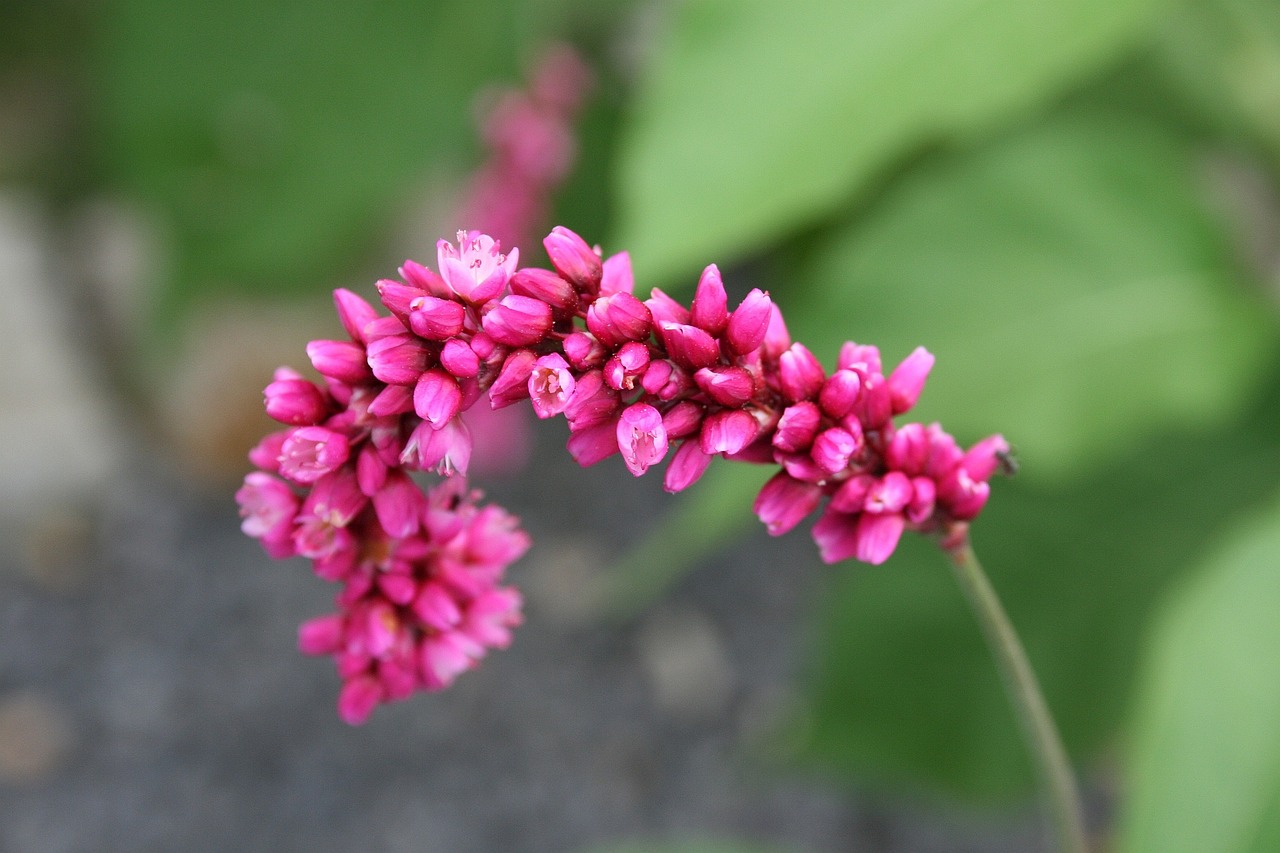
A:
(476, 270)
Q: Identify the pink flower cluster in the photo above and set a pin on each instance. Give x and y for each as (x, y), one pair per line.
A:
(650, 379)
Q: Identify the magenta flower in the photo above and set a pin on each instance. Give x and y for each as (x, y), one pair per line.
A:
(475, 269)
(550, 385)
(641, 437)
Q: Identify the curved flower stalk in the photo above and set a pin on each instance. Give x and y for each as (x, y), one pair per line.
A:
(652, 380)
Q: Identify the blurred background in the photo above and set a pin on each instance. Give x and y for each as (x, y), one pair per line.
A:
(1074, 204)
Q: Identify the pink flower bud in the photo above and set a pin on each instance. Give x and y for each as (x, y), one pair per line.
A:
(641, 437)
(627, 365)
(398, 675)
(584, 351)
(446, 450)
(392, 400)
(666, 310)
(311, 452)
(749, 323)
(335, 499)
(839, 393)
(354, 313)
(383, 327)
(618, 318)
(443, 657)
(851, 497)
(617, 276)
(962, 496)
(545, 286)
(295, 401)
(728, 386)
(591, 444)
(863, 358)
(512, 384)
(268, 507)
(785, 502)
(340, 360)
(484, 346)
(710, 310)
(689, 346)
(397, 298)
(358, 698)
(797, 427)
(666, 380)
(574, 259)
(436, 607)
(832, 449)
(891, 493)
(266, 453)
(982, 460)
(800, 374)
(435, 319)
(457, 357)
(518, 321)
(874, 406)
(416, 275)
(776, 338)
(682, 419)
(869, 538)
(908, 450)
(908, 378)
(944, 454)
(802, 467)
(371, 470)
(398, 359)
(398, 505)
(491, 616)
(592, 402)
(923, 497)
(550, 385)
(728, 431)
(437, 398)
(686, 467)
(876, 537)
(322, 635)
(475, 270)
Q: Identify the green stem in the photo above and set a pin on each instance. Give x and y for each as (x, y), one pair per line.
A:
(1024, 692)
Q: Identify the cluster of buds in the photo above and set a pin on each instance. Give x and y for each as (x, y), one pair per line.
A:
(651, 380)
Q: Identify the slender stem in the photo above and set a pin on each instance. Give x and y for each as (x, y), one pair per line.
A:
(1024, 692)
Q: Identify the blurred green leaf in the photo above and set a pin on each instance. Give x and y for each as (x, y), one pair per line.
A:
(757, 117)
(1070, 280)
(1223, 56)
(1205, 757)
(276, 139)
(905, 691)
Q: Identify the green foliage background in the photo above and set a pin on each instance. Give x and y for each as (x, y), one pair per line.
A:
(1059, 199)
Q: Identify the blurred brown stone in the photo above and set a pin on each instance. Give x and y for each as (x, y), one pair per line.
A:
(35, 738)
